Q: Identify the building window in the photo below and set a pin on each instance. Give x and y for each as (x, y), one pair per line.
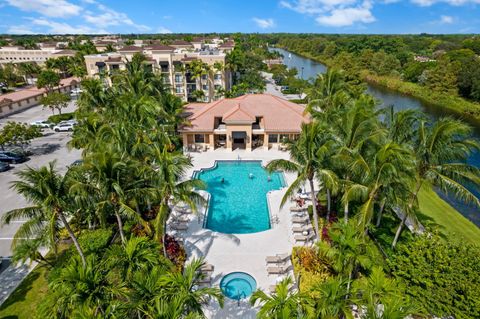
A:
(283, 138)
(199, 138)
(218, 77)
(178, 78)
(204, 76)
(217, 86)
(179, 89)
(205, 87)
(272, 138)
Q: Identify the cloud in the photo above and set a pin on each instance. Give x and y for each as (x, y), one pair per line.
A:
(109, 17)
(446, 20)
(427, 3)
(64, 28)
(19, 29)
(264, 23)
(163, 30)
(49, 8)
(333, 13)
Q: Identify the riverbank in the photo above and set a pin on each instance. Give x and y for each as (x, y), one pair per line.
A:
(453, 104)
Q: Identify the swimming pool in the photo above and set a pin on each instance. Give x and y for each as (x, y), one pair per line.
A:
(238, 190)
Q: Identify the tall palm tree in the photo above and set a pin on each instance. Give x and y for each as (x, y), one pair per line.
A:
(110, 178)
(48, 191)
(167, 170)
(441, 152)
(306, 155)
(282, 304)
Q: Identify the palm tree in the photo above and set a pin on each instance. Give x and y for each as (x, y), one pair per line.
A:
(282, 304)
(348, 252)
(110, 178)
(307, 154)
(139, 255)
(441, 151)
(382, 297)
(168, 169)
(48, 191)
(332, 301)
(185, 285)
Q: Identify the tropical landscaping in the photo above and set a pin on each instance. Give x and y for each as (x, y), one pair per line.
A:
(98, 232)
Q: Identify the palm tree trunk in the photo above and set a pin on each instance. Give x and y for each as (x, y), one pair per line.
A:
(314, 204)
(346, 213)
(73, 237)
(410, 206)
(329, 205)
(380, 213)
(120, 226)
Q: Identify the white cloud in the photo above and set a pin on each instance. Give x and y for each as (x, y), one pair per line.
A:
(163, 30)
(64, 28)
(109, 17)
(19, 29)
(446, 19)
(49, 8)
(427, 3)
(264, 23)
(334, 13)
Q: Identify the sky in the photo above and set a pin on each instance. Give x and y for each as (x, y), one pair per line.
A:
(202, 16)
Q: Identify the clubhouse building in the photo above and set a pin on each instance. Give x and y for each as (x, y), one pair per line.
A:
(247, 122)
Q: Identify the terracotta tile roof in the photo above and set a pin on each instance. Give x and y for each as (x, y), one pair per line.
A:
(130, 48)
(72, 52)
(279, 115)
(31, 91)
(160, 47)
(181, 42)
(114, 59)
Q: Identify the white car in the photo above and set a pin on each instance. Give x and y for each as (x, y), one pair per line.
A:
(63, 127)
(42, 124)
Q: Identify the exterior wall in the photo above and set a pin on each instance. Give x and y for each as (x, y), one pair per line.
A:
(239, 128)
(17, 55)
(279, 138)
(7, 109)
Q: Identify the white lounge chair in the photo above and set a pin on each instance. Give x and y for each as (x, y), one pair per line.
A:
(179, 226)
(301, 229)
(301, 220)
(207, 268)
(279, 270)
(279, 258)
(303, 238)
(298, 209)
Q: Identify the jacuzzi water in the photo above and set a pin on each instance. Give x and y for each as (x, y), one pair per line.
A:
(238, 285)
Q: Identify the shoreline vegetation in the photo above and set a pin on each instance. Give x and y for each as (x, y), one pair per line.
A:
(444, 101)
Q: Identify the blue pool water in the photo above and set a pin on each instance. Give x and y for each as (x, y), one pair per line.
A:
(238, 205)
(238, 285)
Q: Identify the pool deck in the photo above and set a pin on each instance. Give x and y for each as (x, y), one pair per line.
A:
(240, 252)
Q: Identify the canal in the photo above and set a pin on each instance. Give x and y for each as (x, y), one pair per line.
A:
(308, 69)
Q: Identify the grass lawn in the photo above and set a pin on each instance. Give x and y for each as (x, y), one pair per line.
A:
(435, 211)
(22, 303)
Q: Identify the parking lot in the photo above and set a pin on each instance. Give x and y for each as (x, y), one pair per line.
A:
(51, 146)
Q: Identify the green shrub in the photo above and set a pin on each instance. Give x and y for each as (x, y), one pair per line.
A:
(95, 240)
(308, 267)
(441, 276)
(57, 118)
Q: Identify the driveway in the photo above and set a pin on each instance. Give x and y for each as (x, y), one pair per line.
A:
(51, 146)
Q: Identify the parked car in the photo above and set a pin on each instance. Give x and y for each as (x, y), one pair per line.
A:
(42, 124)
(63, 127)
(4, 167)
(13, 158)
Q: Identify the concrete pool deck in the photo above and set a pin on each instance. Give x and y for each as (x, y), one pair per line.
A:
(240, 252)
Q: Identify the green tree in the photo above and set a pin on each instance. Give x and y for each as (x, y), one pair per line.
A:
(48, 191)
(18, 134)
(48, 79)
(282, 304)
(55, 101)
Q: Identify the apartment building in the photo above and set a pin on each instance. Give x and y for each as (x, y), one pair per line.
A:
(15, 54)
(171, 61)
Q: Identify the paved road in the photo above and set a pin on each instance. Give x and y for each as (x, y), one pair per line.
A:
(51, 146)
(273, 89)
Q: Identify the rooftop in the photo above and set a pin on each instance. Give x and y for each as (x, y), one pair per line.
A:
(278, 115)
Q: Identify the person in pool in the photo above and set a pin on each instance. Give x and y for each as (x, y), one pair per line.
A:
(222, 180)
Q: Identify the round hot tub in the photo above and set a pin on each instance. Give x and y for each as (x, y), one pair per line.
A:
(238, 285)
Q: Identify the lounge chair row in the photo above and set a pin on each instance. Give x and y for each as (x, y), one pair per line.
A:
(278, 258)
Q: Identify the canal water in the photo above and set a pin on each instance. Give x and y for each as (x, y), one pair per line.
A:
(308, 69)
